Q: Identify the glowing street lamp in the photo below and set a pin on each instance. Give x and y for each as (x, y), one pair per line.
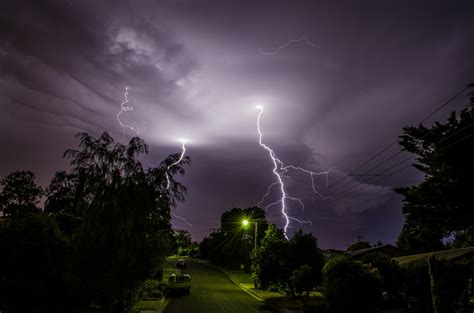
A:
(245, 223)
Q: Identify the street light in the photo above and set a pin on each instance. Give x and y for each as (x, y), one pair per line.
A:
(245, 223)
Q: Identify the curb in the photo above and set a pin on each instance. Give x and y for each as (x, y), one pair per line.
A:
(163, 307)
(248, 291)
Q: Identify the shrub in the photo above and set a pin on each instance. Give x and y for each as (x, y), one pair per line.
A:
(351, 286)
(302, 279)
(391, 275)
(417, 286)
(449, 284)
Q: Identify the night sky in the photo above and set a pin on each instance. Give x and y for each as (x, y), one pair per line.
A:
(195, 69)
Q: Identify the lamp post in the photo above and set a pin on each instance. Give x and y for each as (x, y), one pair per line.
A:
(245, 223)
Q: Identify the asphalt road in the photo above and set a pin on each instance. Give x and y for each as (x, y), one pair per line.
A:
(213, 292)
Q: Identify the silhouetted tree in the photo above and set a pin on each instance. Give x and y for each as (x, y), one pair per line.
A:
(351, 286)
(125, 231)
(232, 245)
(442, 203)
(303, 250)
(302, 279)
(20, 193)
(33, 266)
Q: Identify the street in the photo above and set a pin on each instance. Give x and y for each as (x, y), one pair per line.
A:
(213, 292)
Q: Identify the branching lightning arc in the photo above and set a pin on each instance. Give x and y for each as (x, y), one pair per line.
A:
(280, 171)
(124, 108)
(286, 44)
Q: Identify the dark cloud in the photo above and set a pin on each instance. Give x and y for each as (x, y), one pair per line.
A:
(194, 70)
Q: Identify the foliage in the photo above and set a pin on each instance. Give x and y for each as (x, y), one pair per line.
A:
(418, 238)
(351, 286)
(417, 286)
(391, 275)
(33, 259)
(182, 244)
(114, 228)
(20, 194)
(449, 285)
(270, 260)
(302, 279)
(125, 231)
(303, 250)
(359, 245)
(442, 203)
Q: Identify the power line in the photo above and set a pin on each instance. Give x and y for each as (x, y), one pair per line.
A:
(386, 174)
(391, 144)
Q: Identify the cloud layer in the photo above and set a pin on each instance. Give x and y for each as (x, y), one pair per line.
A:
(194, 70)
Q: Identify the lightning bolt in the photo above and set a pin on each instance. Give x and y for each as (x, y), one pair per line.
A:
(280, 171)
(182, 219)
(181, 156)
(286, 44)
(125, 108)
(168, 182)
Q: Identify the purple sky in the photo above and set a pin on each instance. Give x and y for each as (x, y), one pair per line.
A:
(194, 70)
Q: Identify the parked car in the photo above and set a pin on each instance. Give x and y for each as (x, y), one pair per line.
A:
(179, 283)
(181, 264)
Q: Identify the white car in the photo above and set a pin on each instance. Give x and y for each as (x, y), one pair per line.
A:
(181, 263)
(179, 283)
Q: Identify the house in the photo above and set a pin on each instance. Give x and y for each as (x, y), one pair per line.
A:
(388, 250)
(456, 255)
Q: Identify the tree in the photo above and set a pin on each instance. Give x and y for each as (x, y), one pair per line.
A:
(125, 230)
(20, 193)
(33, 265)
(232, 244)
(442, 203)
(61, 194)
(303, 250)
(182, 242)
(302, 279)
(351, 286)
(270, 259)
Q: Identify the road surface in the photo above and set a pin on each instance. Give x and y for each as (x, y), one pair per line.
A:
(213, 292)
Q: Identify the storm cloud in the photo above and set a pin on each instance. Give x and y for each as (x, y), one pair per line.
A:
(195, 70)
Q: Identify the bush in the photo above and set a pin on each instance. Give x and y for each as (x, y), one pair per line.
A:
(351, 286)
(302, 279)
(391, 274)
(152, 289)
(417, 286)
(449, 285)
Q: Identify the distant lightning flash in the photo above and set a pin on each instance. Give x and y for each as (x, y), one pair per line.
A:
(125, 108)
(182, 219)
(279, 170)
(286, 44)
